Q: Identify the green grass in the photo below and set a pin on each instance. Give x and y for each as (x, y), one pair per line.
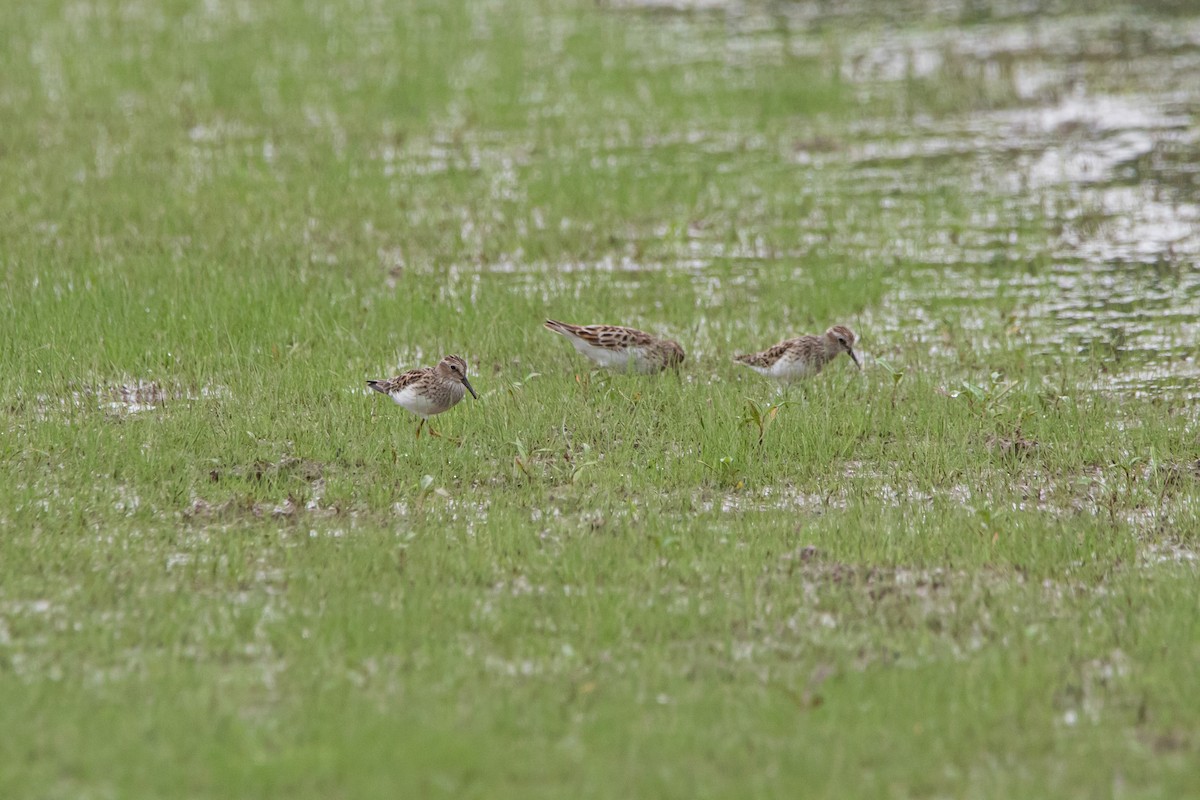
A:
(226, 569)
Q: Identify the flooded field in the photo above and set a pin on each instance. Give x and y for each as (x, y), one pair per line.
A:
(1078, 148)
(968, 570)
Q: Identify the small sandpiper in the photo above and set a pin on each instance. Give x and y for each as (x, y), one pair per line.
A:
(803, 356)
(621, 349)
(426, 391)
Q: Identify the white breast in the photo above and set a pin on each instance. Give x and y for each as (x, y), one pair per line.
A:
(790, 369)
(417, 402)
(620, 360)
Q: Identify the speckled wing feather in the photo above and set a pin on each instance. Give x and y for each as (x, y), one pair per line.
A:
(610, 337)
(767, 358)
(392, 385)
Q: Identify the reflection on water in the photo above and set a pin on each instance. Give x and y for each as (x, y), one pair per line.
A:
(1076, 157)
(1083, 125)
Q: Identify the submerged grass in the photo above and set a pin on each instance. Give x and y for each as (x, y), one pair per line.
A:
(228, 569)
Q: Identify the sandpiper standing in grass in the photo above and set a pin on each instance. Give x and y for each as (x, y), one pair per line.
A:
(426, 391)
(619, 348)
(802, 357)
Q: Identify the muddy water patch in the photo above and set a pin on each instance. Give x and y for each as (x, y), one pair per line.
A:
(454, 151)
(1115, 274)
(1141, 324)
(1170, 554)
(129, 397)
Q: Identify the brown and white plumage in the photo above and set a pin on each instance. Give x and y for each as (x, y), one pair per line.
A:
(802, 357)
(619, 348)
(427, 391)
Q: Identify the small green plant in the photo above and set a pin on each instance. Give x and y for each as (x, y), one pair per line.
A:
(897, 375)
(760, 417)
(516, 387)
(727, 471)
(521, 459)
(993, 399)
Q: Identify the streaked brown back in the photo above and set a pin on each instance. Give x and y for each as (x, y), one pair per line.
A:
(393, 385)
(767, 358)
(612, 337)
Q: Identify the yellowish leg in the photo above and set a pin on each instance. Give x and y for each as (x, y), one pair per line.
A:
(421, 425)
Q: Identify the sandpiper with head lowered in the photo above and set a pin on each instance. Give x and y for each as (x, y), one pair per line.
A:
(426, 391)
(802, 357)
(619, 348)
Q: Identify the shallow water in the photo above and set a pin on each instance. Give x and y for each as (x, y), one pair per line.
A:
(1085, 129)
(1077, 159)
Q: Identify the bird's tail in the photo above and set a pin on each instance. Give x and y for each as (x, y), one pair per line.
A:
(377, 386)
